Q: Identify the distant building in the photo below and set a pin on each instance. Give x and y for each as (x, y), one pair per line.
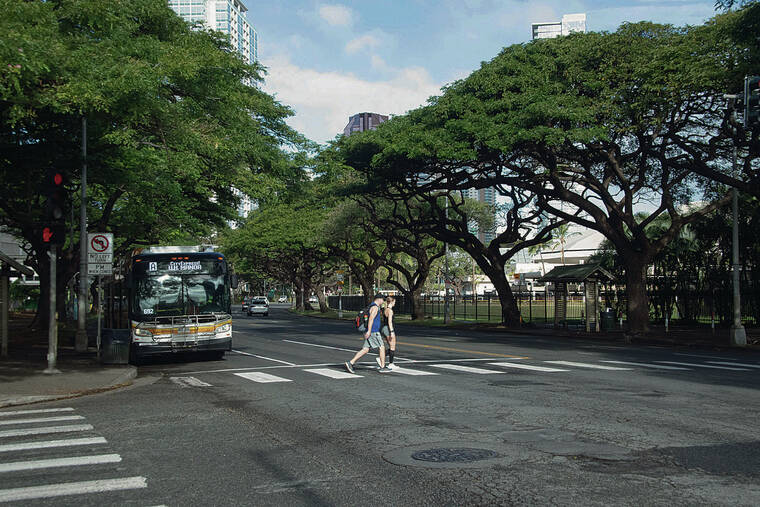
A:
(363, 121)
(226, 16)
(488, 196)
(570, 23)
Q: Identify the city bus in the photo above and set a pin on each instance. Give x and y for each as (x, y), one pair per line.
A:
(179, 301)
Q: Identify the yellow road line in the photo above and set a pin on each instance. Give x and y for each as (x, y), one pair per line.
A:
(450, 349)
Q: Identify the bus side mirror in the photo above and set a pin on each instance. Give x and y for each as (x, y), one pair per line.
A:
(234, 280)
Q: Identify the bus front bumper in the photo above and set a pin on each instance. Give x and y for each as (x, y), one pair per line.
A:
(203, 345)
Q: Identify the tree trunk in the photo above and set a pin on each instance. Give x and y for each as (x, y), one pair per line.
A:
(510, 314)
(418, 307)
(636, 293)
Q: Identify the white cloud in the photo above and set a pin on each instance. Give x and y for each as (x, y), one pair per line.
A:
(359, 43)
(336, 14)
(323, 101)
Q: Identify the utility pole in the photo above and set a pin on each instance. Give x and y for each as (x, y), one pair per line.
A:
(81, 337)
(446, 316)
(738, 333)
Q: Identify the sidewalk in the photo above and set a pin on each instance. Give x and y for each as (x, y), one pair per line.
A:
(22, 380)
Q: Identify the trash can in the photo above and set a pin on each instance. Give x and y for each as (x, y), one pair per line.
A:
(607, 319)
(114, 346)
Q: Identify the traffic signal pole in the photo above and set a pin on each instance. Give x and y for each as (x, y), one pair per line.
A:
(53, 321)
(80, 343)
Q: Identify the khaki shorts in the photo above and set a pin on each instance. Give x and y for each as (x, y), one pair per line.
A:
(375, 341)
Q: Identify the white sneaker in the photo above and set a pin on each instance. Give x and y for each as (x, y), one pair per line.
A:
(392, 366)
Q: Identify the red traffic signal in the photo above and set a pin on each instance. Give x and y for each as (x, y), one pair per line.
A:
(54, 225)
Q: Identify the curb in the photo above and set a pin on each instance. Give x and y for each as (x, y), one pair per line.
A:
(122, 380)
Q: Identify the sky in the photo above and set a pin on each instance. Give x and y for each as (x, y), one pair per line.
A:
(328, 60)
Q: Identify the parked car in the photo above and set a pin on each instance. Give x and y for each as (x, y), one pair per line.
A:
(258, 305)
(313, 299)
(283, 299)
(246, 302)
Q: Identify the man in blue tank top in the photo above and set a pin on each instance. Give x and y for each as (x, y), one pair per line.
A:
(373, 339)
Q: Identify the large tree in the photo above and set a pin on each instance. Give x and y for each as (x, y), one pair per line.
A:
(171, 124)
(597, 126)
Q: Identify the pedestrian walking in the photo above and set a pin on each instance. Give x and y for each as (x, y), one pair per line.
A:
(372, 337)
(388, 331)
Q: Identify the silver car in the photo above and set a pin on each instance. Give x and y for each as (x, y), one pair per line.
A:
(258, 305)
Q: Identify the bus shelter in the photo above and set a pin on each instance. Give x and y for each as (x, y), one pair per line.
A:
(592, 276)
(8, 268)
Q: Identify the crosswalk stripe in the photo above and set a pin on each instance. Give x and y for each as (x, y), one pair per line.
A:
(647, 365)
(59, 462)
(527, 367)
(26, 446)
(587, 365)
(468, 369)
(327, 372)
(264, 378)
(72, 488)
(43, 419)
(189, 382)
(697, 365)
(45, 430)
(407, 371)
(735, 364)
(38, 411)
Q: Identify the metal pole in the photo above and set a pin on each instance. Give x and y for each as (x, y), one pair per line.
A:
(4, 313)
(52, 322)
(100, 305)
(81, 336)
(738, 334)
(446, 318)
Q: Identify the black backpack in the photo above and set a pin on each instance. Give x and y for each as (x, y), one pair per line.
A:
(362, 319)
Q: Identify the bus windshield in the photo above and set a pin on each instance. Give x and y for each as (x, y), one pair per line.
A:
(173, 289)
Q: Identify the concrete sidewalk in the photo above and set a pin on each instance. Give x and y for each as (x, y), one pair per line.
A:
(22, 379)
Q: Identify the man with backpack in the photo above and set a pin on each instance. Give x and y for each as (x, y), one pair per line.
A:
(372, 337)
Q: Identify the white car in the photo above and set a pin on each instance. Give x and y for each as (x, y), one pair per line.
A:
(313, 299)
(283, 299)
(258, 305)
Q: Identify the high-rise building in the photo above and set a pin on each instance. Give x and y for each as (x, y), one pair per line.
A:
(363, 121)
(226, 16)
(487, 196)
(570, 23)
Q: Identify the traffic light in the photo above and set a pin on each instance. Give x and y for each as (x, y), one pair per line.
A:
(54, 226)
(751, 101)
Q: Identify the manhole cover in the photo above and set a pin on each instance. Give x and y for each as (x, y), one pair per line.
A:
(453, 455)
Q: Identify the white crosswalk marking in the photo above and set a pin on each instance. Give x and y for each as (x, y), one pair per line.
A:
(45, 430)
(468, 369)
(697, 365)
(59, 462)
(43, 419)
(527, 367)
(38, 411)
(71, 488)
(647, 365)
(407, 371)
(263, 378)
(744, 365)
(26, 446)
(189, 382)
(587, 365)
(327, 372)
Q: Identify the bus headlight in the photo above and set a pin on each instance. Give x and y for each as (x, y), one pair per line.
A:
(224, 328)
(143, 333)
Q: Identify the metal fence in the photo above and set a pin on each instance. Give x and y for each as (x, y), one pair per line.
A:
(711, 306)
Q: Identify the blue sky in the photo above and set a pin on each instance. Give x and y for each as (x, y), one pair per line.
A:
(329, 60)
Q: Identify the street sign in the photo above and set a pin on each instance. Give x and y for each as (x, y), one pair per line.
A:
(100, 269)
(100, 253)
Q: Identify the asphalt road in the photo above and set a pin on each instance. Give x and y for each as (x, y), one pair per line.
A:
(468, 419)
